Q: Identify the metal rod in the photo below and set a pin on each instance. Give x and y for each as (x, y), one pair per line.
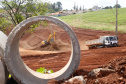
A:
(51, 29)
(116, 18)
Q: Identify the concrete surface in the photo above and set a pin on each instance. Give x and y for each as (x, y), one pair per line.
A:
(18, 69)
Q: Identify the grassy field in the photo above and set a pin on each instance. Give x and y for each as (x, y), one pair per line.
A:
(101, 20)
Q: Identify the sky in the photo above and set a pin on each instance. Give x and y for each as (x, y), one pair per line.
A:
(68, 4)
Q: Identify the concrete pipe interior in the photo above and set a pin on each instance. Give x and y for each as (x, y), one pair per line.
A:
(21, 72)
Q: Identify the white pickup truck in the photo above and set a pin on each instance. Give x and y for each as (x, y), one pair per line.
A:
(103, 41)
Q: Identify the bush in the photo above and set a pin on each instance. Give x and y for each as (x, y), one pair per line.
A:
(4, 24)
(44, 71)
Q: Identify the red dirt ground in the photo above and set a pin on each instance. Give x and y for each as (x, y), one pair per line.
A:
(36, 57)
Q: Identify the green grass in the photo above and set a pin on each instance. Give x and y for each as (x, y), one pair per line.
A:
(100, 20)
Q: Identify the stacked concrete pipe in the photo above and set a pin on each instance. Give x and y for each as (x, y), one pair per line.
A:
(2, 73)
(21, 72)
(3, 69)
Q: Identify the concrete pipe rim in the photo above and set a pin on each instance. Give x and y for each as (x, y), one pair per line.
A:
(2, 73)
(18, 69)
(3, 41)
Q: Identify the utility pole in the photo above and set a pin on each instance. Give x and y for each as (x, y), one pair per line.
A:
(116, 18)
(74, 6)
(83, 7)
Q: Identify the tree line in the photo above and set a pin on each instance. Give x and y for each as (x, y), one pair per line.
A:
(110, 7)
(19, 10)
(76, 7)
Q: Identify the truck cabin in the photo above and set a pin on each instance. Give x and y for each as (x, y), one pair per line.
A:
(111, 41)
(111, 38)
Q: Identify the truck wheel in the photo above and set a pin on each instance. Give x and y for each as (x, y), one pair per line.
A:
(105, 46)
(21, 72)
(117, 45)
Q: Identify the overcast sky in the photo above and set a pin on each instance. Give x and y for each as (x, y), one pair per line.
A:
(68, 4)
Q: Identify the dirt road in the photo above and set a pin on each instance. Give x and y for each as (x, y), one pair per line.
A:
(56, 59)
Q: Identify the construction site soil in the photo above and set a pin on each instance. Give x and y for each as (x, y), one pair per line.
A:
(55, 57)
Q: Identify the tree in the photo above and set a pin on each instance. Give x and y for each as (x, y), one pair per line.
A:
(4, 23)
(74, 6)
(55, 7)
(108, 7)
(42, 8)
(59, 5)
(80, 8)
(77, 8)
(118, 6)
(51, 8)
(30, 8)
(13, 8)
(83, 7)
(18, 9)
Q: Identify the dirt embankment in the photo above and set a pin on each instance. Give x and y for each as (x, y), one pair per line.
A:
(119, 77)
(33, 40)
(56, 59)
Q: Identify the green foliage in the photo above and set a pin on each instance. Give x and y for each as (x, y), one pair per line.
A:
(107, 7)
(14, 9)
(44, 23)
(55, 7)
(19, 17)
(44, 71)
(4, 24)
(42, 8)
(51, 11)
(118, 6)
(40, 70)
(18, 10)
(23, 9)
(50, 71)
(32, 27)
(100, 20)
(9, 76)
(1, 10)
(30, 7)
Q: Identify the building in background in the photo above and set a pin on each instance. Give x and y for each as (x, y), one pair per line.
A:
(96, 8)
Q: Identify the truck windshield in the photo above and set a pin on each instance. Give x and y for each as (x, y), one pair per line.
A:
(112, 38)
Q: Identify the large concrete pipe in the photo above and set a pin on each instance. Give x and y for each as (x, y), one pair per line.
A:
(3, 69)
(22, 73)
(2, 73)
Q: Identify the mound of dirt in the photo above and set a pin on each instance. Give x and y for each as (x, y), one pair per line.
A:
(33, 40)
(57, 46)
(119, 65)
(119, 77)
(50, 47)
